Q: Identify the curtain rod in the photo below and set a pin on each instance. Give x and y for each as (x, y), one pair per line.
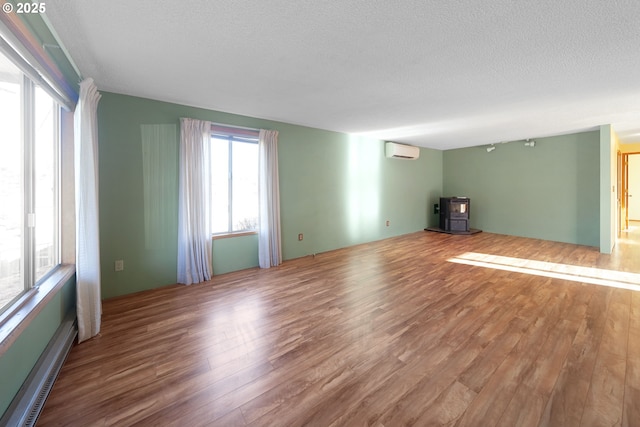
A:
(235, 127)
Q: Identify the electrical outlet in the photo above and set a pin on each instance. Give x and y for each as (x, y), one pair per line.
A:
(300, 237)
(387, 223)
(119, 265)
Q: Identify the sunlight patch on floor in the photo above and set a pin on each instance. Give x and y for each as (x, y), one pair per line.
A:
(594, 276)
(630, 235)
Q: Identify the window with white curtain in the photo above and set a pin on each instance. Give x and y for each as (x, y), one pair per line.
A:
(29, 184)
(234, 172)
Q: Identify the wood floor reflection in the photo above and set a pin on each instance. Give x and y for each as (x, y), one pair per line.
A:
(387, 333)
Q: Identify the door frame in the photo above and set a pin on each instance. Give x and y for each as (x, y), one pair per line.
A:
(624, 178)
(620, 185)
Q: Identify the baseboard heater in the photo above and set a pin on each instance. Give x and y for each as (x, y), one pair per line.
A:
(29, 401)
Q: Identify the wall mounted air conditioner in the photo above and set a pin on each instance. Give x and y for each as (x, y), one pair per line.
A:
(401, 151)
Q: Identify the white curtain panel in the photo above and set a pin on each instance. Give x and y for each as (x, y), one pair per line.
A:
(269, 243)
(194, 205)
(88, 305)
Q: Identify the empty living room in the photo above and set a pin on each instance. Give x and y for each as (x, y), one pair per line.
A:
(319, 213)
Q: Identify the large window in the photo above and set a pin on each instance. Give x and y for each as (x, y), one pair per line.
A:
(29, 184)
(234, 164)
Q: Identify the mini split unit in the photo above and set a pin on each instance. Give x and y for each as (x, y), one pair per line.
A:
(401, 151)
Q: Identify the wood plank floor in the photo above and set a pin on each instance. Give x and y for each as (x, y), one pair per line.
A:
(515, 332)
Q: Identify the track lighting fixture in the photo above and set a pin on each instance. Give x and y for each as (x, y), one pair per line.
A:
(490, 149)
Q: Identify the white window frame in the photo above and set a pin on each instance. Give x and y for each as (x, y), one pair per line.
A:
(230, 140)
(29, 252)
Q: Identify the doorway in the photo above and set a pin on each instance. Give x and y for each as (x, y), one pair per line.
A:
(629, 184)
(633, 187)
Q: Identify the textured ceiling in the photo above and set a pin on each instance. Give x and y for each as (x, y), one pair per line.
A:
(439, 74)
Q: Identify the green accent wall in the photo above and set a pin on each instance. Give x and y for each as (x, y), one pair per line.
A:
(336, 189)
(550, 191)
(339, 190)
(235, 253)
(19, 359)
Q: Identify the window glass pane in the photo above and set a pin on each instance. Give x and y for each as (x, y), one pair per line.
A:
(245, 186)
(11, 281)
(219, 185)
(46, 206)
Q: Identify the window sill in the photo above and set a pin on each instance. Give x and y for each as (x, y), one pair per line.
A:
(16, 320)
(236, 234)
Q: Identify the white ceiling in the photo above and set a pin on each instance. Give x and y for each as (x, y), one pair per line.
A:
(434, 73)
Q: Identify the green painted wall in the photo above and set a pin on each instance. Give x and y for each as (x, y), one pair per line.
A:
(16, 363)
(336, 189)
(235, 253)
(339, 190)
(551, 191)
